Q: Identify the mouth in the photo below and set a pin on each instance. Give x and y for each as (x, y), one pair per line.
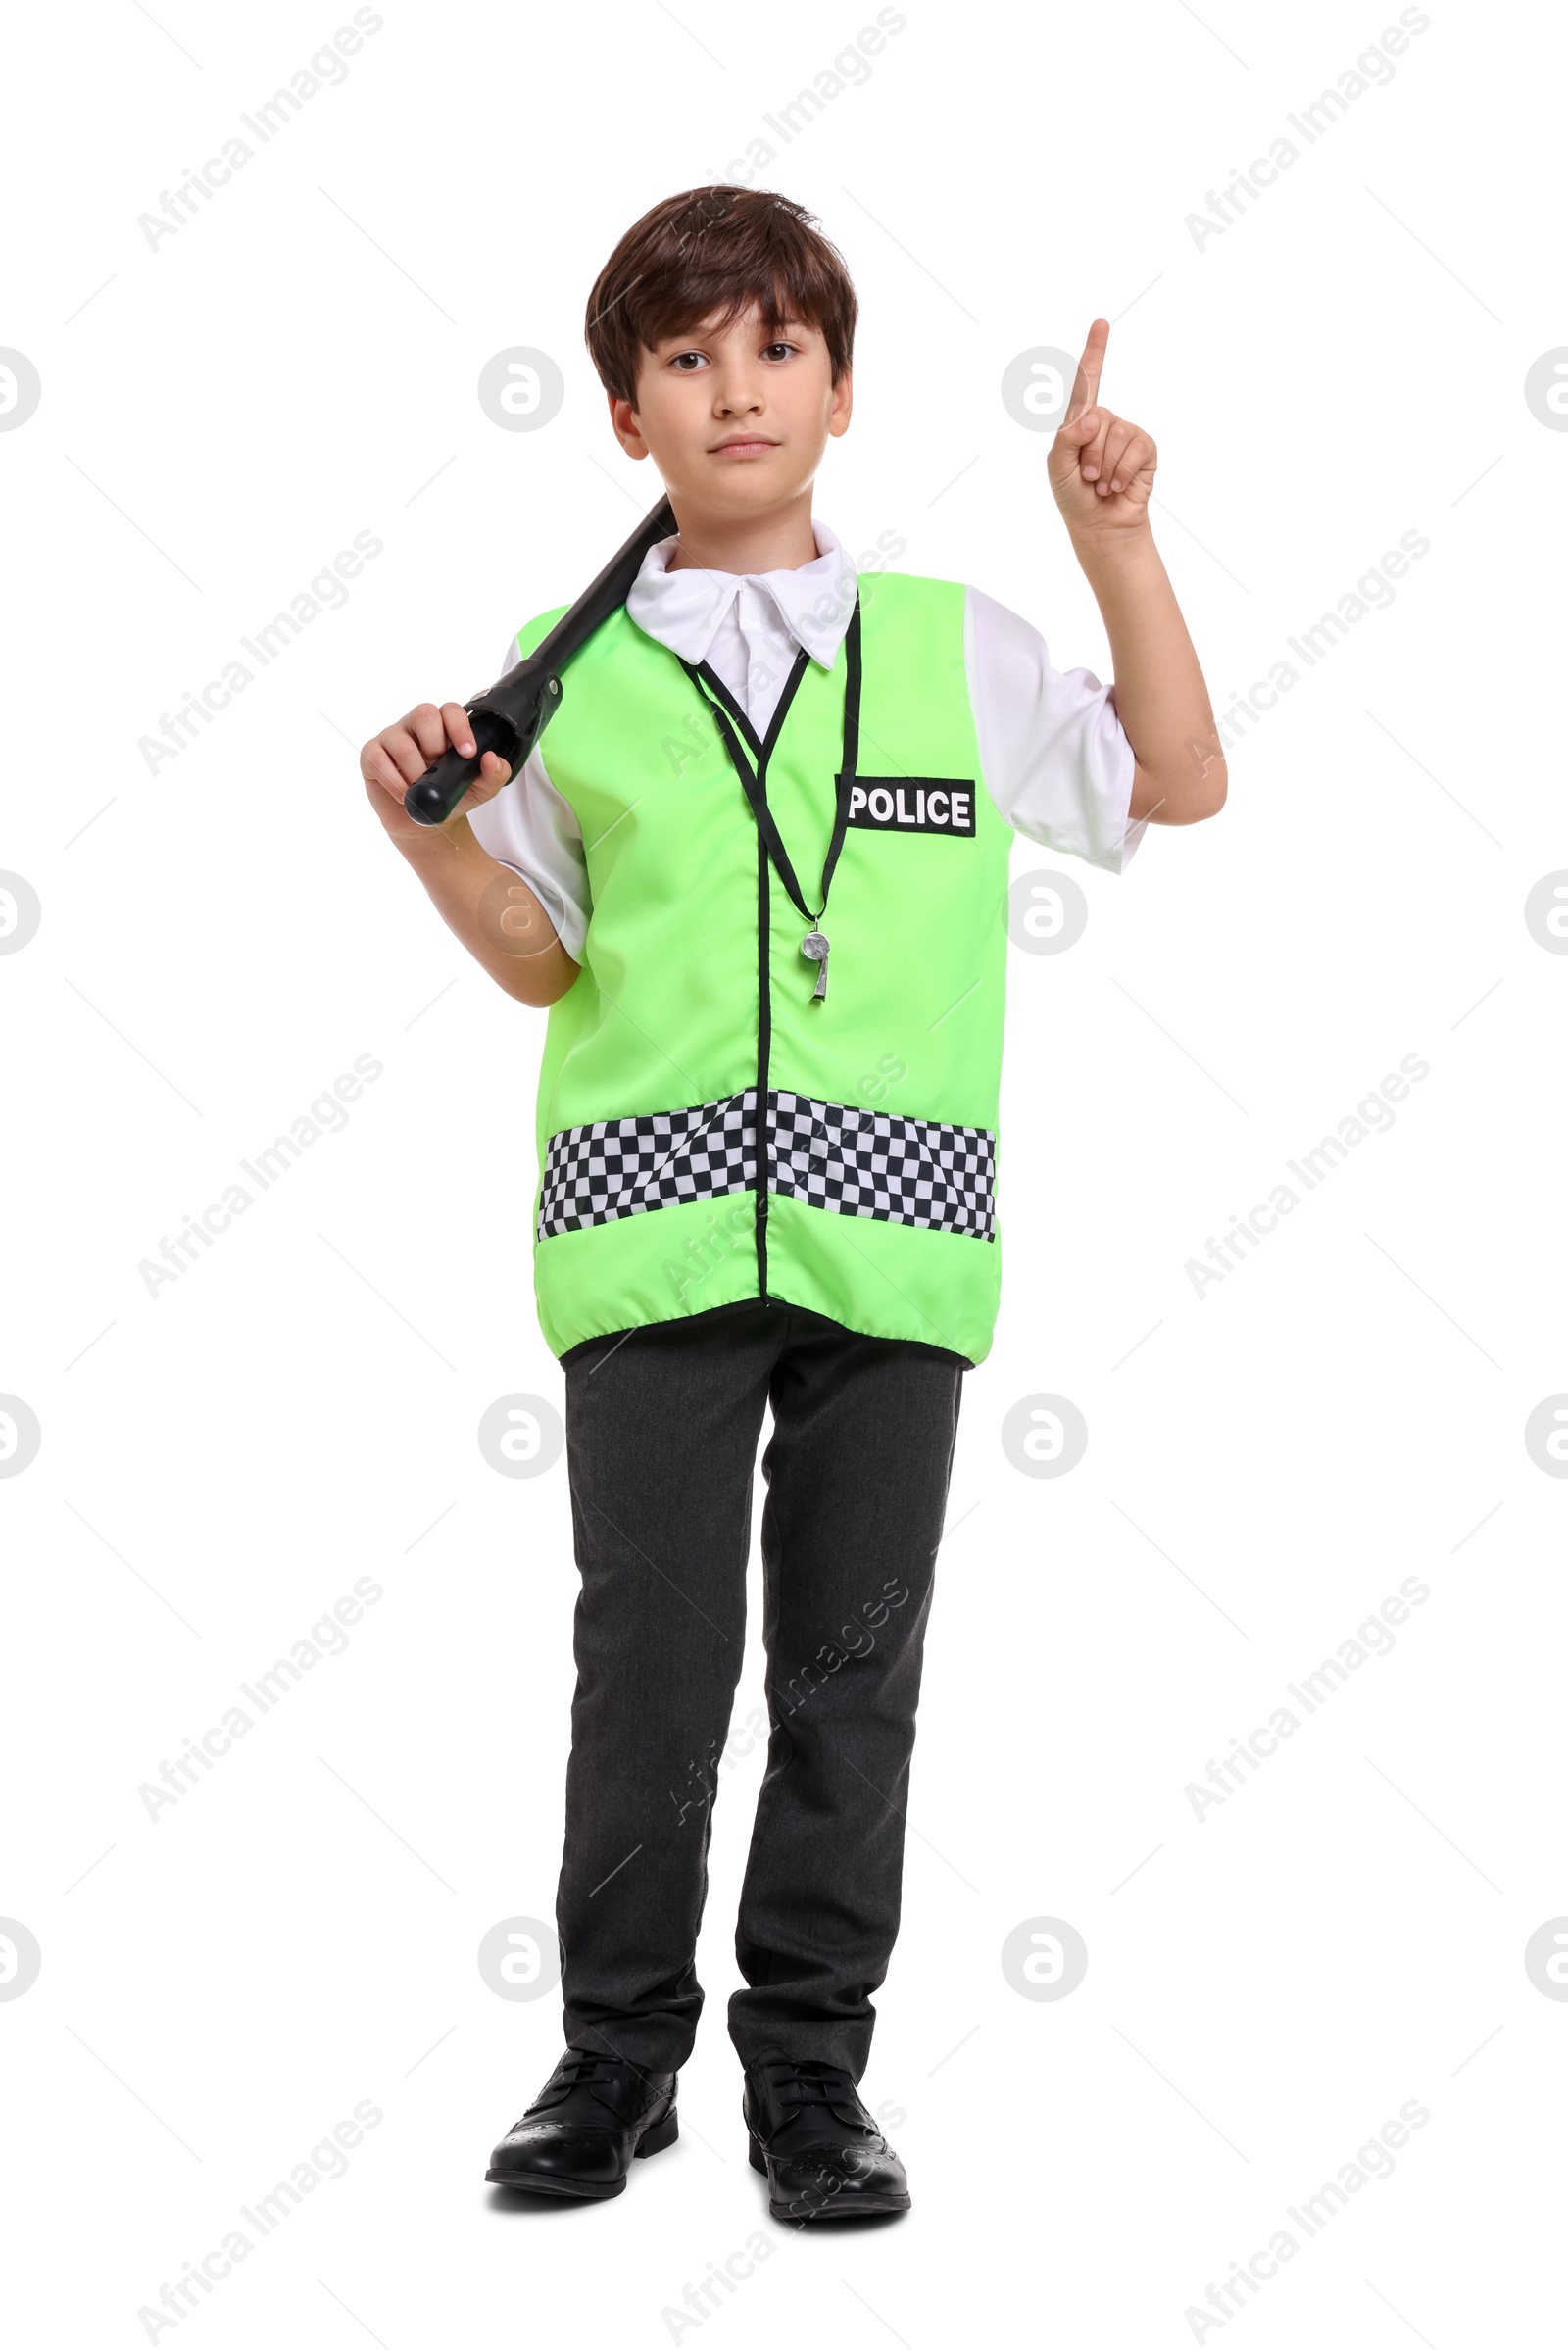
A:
(744, 444)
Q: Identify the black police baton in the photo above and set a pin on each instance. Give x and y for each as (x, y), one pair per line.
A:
(512, 716)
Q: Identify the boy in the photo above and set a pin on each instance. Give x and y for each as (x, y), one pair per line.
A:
(768, 1169)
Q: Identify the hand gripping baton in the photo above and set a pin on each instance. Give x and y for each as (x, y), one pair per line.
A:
(512, 716)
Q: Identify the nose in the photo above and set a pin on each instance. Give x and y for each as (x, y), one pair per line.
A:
(737, 393)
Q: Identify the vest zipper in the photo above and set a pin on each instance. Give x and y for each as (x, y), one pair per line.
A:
(764, 1024)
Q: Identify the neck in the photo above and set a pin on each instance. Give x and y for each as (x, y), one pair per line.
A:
(779, 541)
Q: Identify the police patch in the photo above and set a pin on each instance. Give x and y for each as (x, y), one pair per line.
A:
(942, 804)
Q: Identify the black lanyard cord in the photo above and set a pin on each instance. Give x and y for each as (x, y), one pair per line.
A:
(754, 780)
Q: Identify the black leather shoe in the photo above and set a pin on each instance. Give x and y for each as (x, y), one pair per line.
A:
(824, 2156)
(579, 2136)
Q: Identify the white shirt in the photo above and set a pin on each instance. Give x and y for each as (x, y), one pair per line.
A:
(1054, 755)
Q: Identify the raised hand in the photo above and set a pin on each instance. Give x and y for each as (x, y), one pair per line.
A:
(1102, 467)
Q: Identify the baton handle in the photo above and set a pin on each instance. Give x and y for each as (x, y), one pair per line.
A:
(514, 714)
(441, 787)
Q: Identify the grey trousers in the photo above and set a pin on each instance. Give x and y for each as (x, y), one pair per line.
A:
(661, 1436)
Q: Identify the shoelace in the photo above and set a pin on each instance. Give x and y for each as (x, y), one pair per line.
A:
(813, 2081)
(578, 2068)
(582, 2067)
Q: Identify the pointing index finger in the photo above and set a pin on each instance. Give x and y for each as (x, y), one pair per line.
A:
(1086, 383)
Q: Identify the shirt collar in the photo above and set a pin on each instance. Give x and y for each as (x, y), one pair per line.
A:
(683, 609)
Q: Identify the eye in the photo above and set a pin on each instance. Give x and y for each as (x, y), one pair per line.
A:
(680, 359)
(778, 350)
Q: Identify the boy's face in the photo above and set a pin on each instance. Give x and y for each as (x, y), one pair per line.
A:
(735, 418)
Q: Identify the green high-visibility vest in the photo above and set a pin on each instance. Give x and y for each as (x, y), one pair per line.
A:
(710, 1129)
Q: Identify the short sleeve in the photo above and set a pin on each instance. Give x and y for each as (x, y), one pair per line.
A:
(1053, 754)
(529, 828)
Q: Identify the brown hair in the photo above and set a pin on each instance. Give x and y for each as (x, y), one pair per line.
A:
(715, 251)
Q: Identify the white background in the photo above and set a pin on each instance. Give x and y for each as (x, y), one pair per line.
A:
(1266, 1985)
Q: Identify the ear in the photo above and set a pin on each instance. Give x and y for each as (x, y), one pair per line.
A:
(838, 420)
(623, 423)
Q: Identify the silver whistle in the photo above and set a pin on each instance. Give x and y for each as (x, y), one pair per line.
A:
(814, 947)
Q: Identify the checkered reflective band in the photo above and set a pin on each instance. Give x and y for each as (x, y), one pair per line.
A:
(624, 1166)
(852, 1162)
(861, 1163)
